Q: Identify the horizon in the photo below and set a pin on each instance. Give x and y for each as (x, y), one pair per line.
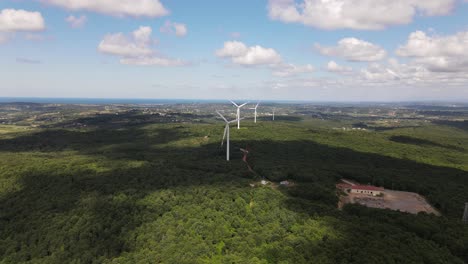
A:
(110, 100)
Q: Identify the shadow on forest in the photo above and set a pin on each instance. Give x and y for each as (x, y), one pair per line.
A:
(281, 118)
(128, 119)
(383, 128)
(422, 142)
(463, 125)
(108, 201)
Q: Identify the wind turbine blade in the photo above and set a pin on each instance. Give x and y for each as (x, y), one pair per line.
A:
(225, 132)
(257, 105)
(222, 116)
(242, 104)
(233, 103)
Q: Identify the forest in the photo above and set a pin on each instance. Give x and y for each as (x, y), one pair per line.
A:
(143, 188)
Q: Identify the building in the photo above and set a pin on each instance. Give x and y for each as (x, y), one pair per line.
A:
(344, 186)
(285, 183)
(367, 189)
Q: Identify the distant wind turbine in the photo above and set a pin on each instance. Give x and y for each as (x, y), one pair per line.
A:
(255, 108)
(274, 113)
(226, 133)
(238, 112)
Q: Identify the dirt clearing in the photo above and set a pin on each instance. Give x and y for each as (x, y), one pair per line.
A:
(395, 200)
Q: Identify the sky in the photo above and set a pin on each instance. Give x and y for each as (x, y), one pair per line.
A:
(314, 50)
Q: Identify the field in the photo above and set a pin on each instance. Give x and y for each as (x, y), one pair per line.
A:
(83, 184)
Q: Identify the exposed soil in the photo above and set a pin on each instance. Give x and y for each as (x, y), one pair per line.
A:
(395, 200)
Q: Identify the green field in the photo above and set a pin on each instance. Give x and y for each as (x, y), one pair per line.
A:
(164, 193)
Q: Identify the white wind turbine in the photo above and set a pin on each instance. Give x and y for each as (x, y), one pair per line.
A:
(255, 108)
(238, 112)
(226, 133)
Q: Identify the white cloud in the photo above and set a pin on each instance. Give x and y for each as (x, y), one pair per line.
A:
(240, 54)
(12, 20)
(178, 29)
(336, 68)
(142, 36)
(411, 74)
(134, 8)
(289, 69)
(232, 49)
(355, 14)
(135, 49)
(437, 53)
(390, 79)
(353, 49)
(119, 44)
(76, 22)
(258, 55)
(378, 73)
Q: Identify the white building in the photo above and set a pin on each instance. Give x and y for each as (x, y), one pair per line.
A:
(367, 189)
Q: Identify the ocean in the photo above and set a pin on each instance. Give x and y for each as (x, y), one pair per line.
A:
(43, 100)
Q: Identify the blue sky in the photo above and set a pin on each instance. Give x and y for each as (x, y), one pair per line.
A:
(320, 50)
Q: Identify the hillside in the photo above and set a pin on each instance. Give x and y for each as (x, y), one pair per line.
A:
(120, 191)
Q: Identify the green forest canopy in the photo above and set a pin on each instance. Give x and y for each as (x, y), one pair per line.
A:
(163, 193)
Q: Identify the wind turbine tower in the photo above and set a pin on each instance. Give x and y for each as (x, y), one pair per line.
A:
(274, 113)
(226, 133)
(255, 108)
(238, 112)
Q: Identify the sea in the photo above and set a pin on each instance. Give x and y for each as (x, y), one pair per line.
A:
(149, 101)
(43, 100)
(130, 101)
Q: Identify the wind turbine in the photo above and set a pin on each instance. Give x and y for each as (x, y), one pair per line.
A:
(255, 108)
(274, 113)
(226, 133)
(238, 112)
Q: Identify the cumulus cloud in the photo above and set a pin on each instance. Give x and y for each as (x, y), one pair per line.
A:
(378, 73)
(178, 29)
(134, 8)
(355, 14)
(121, 45)
(437, 53)
(240, 54)
(76, 22)
(12, 20)
(394, 73)
(336, 68)
(353, 49)
(232, 49)
(398, 80)
(135, 49)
